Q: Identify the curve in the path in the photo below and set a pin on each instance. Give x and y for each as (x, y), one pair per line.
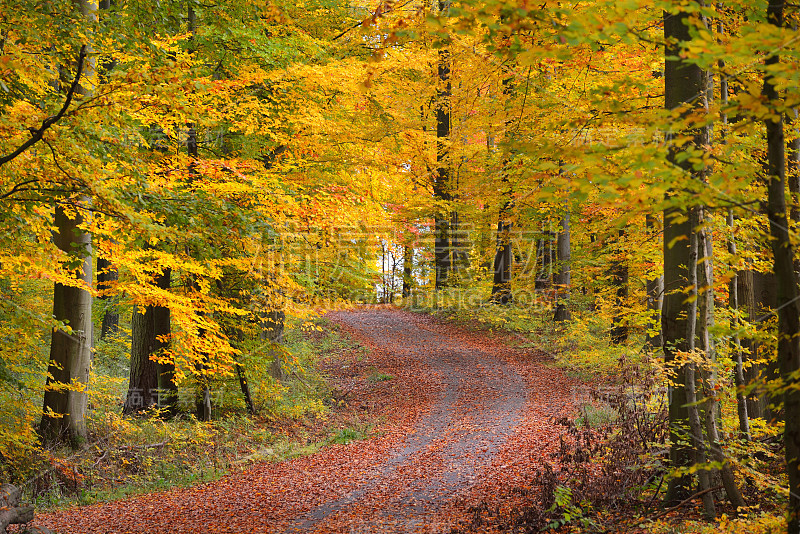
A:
(478, 406)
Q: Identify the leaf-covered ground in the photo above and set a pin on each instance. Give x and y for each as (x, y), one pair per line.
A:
(466, 420)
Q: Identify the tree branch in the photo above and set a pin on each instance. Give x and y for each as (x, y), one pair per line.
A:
(685, 501)
(49, 121)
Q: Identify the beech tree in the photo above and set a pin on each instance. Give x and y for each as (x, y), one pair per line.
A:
(65, 398)
(786, 277)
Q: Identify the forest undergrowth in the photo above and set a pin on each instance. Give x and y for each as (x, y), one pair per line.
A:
(131, 455)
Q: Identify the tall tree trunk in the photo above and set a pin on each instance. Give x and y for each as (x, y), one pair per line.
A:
(65, 398)
(619, 277)
(106, 272)
(203, 405)
(683, 82)
(504, 252)
(736, 345)
(733, 285)
(788, 294)
(689, 369)
(705, 300)
(441, 185)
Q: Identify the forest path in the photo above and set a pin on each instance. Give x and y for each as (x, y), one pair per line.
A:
(466, 419)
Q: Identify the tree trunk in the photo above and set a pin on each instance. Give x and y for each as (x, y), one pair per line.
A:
(408, 270)
(503, 257)
(544, 260)
(143, 381)
(698, 438)
(788, 294)
(733, 285)
(619, 277)
(441, 186)
(202, 399)
(151, 383)
(654, 289)
(561, 279)
(272, 331)
(757, 298)
(706, 322)
(106, 274)
(683, 81)
(162, 329)
(245, 387)
(736, 345)
(793, 168)
(65, 397)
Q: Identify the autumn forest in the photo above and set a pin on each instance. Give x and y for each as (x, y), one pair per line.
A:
(399, 266)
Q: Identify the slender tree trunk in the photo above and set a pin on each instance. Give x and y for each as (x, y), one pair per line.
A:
(65, 398)
(272, 331)
(459, 256)
(733, 285)
(736, 345)
(706, 322)
(788, 294)
(504, 252)
(683, 82)
(544, 259)
(106, 272)
(245, 387)
(408, 268)
(203, 405)
(689, 369)
(654, 289)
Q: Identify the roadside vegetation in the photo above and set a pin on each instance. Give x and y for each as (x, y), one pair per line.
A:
(610, 472)
(130, 455)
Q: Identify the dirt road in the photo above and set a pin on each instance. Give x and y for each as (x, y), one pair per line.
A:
(466, 420)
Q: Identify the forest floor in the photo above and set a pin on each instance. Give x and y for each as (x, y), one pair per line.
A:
(465, 422)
